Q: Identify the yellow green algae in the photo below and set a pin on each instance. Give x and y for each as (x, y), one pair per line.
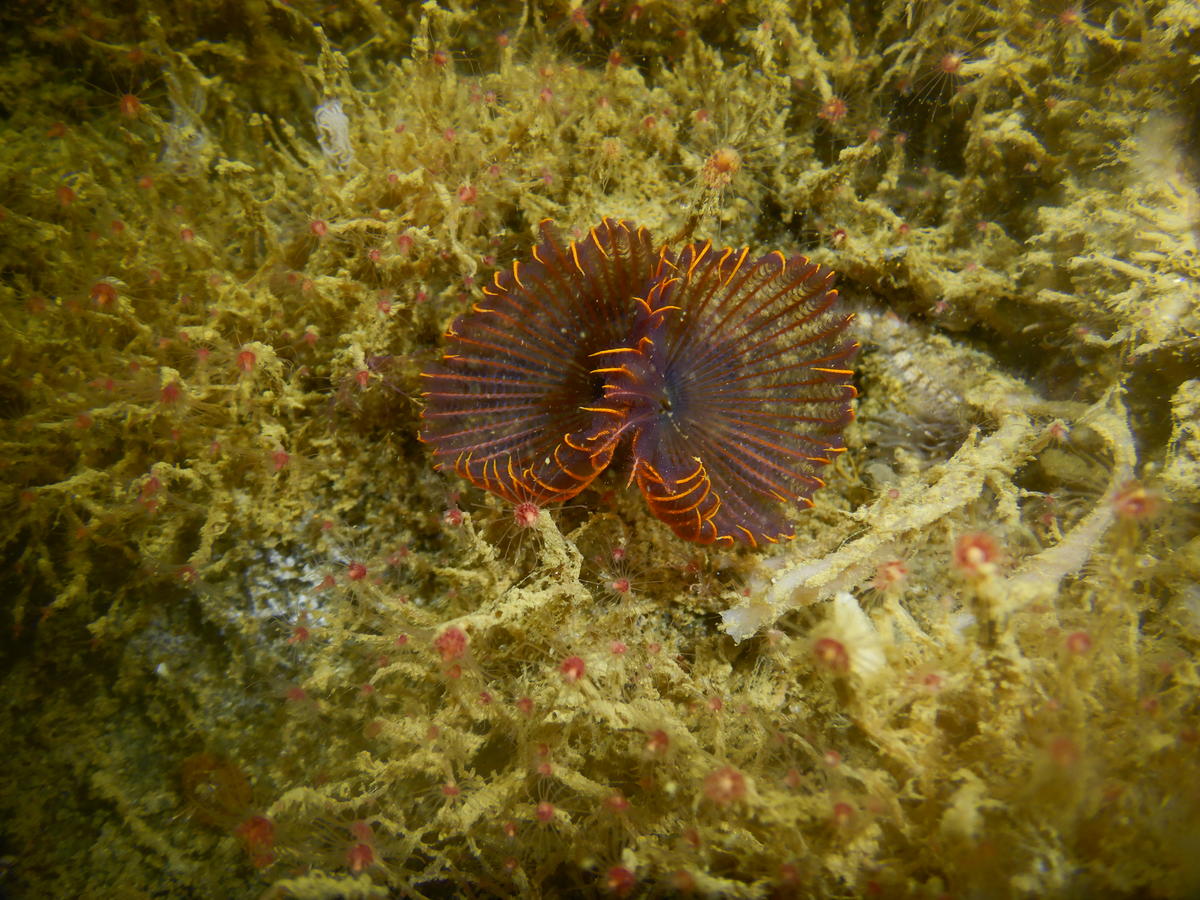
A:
(253, 646)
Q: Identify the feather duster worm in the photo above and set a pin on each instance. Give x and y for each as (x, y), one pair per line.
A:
(729, 378)
(735, 391)
(509, 406)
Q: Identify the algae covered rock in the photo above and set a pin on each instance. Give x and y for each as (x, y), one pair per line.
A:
(253, 644)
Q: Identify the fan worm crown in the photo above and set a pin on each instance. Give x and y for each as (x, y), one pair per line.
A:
(512, 404)
(728, 376)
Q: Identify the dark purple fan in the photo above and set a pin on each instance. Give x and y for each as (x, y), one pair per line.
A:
(513, 406)
(735, 387)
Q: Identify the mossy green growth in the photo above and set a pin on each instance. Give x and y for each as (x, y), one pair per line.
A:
(253, 645)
